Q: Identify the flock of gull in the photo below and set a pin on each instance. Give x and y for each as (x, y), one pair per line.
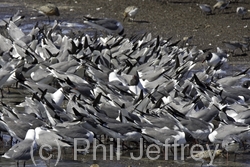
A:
(119, 87)
(221, 6)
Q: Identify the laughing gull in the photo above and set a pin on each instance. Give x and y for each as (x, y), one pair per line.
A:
(229, 81)
(49, 10)
(242, 11)
(214, 59)
(16, 18)
(197, 128)
(206, 9)
(107, 25)
(241, 117)
(6, 44)
(79, 89)
(218, 135)
(130, 11)
(123, 131)
(206, 114)
(221, 5)
(231, 144)
(64, 75)
(161, 135)
(16, 128)
(57, 97)
(70, 131)
(233, 45)
(4, 76)
(12, 117)
(23, 150)
(45, 137)
(15, 33)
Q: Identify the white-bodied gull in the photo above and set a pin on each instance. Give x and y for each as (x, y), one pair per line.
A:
(23, 150)
(47, 137)
(219, 134)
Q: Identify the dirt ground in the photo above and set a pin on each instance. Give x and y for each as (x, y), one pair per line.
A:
(172, 18)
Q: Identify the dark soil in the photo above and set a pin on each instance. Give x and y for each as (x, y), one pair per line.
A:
(176, 19)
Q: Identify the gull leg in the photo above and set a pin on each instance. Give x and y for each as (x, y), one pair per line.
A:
(2, 92)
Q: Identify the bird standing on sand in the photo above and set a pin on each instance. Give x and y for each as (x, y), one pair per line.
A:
(242, 11)
(231, 144)
(233, 45)
(23, 150)
(130, 11)
(221, 5)
(206, 155)
(206, 9)
(49, 10)
(109, 26)
(214, 59)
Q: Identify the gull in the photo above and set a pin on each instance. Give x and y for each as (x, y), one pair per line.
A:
(221, 5)
(241, 11)
(214, 59)
(4, 76)
(205, 8)
(246, 41)
(107, 25)
(130, 11)
(206, 155)
(16, 18)
(159, 135)
(124, 131)
(231, 144)
(198, 128)
(218, 135)
(57, 97)
(44, 136)
(79, 89)
(70, 131)
(6, 44)
(241, 117)
(49, 10)
(233, 45)
(64, 75)
(23, 150)
(229, 81)
(15, 32)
